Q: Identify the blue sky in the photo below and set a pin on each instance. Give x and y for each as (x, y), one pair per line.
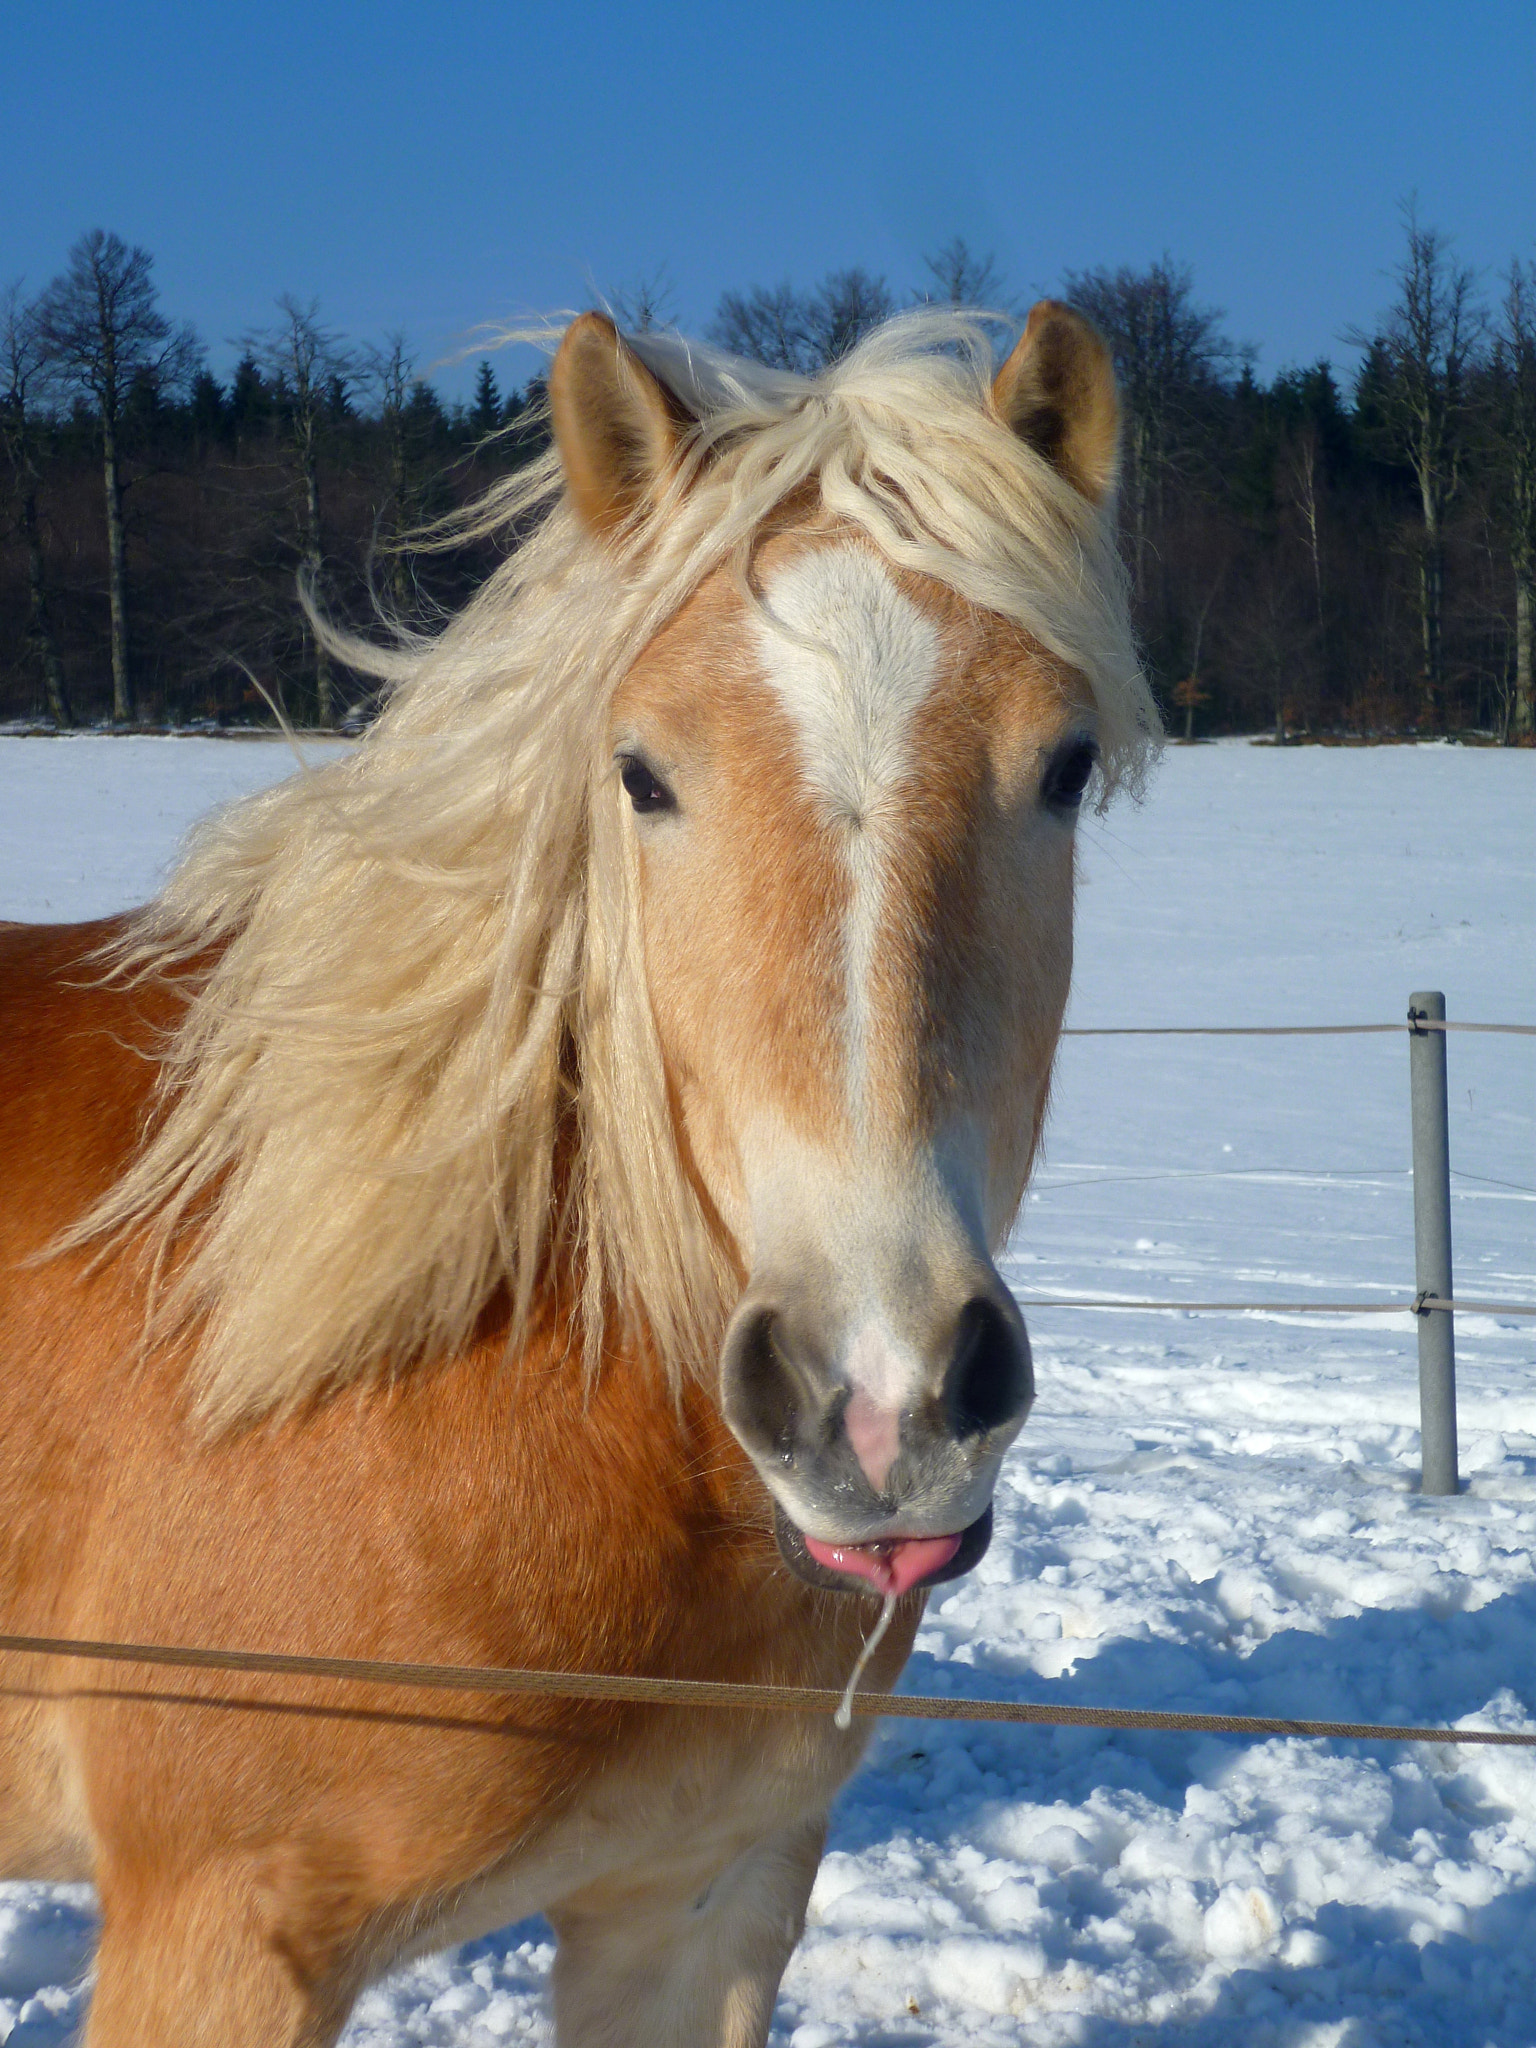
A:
(429, 168)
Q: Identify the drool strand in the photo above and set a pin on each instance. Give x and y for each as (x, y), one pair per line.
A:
(843, 1718)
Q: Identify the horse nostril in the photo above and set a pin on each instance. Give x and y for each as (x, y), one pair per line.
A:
(760, 1397)
(988, 1382)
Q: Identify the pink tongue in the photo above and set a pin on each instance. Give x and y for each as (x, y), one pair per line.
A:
(891, 1566)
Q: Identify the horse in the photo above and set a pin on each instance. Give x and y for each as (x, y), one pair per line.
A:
(526, 1193)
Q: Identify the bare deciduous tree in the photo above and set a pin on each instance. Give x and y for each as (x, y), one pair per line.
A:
(1276, 649)
(802, 331)
(1188, 694)
(1514, 424)
(1426, 346)
(104, 333)
(644, 304)
(392, 369)
(1170, 353)
(765, 325)
(1299, 471)
(310, 365)
(24, 376)
(963, 279)
(842, 310)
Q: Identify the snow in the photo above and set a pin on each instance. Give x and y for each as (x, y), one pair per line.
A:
(1205, 1512)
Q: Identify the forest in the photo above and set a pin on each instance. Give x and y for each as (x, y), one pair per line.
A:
(1309, 558)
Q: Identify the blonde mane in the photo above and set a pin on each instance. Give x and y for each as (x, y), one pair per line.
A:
(421, 1069)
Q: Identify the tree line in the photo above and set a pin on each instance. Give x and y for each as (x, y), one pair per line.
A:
(159, 525)
(1305, 557)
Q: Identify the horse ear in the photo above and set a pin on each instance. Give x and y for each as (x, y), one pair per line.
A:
(616, 425)
(1057, 392)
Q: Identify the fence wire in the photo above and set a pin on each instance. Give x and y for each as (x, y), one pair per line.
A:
(1415, 1027)
(1421, 1305)
(693, 1692)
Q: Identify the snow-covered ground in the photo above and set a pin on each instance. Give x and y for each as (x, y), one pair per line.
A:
(1204, 1512)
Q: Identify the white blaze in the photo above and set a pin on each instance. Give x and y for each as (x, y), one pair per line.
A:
(852, 660)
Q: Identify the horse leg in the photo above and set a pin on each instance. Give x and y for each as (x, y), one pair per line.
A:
(641, 1965)
(193, 1966)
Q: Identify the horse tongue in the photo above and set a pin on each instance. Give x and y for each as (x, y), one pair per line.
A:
(890, 1566)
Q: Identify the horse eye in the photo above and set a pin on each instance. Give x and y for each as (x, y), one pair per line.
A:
(644, 789)
(1069, 774)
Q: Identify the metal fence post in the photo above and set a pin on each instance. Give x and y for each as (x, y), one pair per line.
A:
(1432, 1243)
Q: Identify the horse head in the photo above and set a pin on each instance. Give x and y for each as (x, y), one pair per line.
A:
(847, 792)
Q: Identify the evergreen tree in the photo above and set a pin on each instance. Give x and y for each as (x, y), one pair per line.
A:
(485, 407)
(206, 407)
(250, 400)
(424, 415)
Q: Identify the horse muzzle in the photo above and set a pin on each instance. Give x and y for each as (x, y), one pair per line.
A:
(881, 1455)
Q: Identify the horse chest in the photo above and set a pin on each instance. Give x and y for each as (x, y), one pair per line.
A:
(669, 1817)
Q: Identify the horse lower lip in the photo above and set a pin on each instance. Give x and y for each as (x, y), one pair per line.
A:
(892, 1566)
(971, 1548)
